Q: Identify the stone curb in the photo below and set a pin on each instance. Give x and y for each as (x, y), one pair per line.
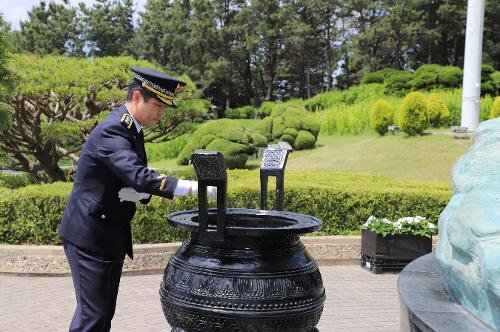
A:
(32, 260)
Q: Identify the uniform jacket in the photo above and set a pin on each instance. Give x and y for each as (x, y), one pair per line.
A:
(113, 157)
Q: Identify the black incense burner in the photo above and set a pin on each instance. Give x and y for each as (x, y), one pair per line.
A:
(241, 269)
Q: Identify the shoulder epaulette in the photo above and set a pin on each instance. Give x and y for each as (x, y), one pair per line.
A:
(127, 120)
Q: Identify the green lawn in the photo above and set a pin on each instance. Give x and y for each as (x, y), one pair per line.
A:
(426, 158)
(423, 158)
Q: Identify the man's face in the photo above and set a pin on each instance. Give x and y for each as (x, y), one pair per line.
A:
(150, 112)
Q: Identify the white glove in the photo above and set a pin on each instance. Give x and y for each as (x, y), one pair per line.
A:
(187, 187)
(129, 194)
(211, 191)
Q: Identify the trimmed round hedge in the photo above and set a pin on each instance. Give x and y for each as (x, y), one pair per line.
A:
(450, 76)
(413, 118)
(226, 136)
(342, 200)
(437, 111)
(397, 81)
(286, 123)
(495, 108)
(244, 112)
(381, 116)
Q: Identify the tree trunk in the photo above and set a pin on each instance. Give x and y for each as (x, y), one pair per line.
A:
(308, 79)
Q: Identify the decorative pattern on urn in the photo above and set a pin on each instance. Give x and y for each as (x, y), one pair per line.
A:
(198, 322)
(291, 291)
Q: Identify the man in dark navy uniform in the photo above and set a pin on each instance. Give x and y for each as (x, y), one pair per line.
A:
(112, 175)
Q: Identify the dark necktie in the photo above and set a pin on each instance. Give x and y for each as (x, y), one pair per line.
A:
(140, 146)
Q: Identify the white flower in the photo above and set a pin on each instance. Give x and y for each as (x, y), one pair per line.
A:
(365, 225)
(411, 220)
(371, 218)
(431, 225)
(386, 221)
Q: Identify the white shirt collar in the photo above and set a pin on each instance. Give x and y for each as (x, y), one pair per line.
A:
(137, 125)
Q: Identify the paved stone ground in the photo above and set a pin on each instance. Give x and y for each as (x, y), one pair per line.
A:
(357, 300)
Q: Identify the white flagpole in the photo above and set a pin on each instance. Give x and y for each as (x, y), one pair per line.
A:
(472, 64)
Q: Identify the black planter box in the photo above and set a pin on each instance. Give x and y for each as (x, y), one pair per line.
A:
(391, 253)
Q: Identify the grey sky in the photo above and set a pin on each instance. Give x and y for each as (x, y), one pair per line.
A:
(15, 11)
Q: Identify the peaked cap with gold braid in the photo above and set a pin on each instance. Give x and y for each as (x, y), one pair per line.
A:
(162, 86)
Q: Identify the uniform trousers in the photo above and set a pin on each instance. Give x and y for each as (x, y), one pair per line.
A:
(96, 280)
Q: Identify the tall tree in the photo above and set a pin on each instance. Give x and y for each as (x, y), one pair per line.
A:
(268, 17)
(442, 34)
(58, 100)
(5, 46)
(385, 34)
(230, 72)
(5, 74)
(162, 34)
(109, 27)
(50, 29)
(491, 38)
(307, 46)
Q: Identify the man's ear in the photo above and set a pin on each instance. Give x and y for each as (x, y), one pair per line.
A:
(136, 96)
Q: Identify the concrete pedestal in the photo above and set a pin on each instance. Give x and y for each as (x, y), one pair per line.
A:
(425, 303)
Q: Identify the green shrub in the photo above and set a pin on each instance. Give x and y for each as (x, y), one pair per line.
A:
(386, 72)
(426, 77)
(425, 80)
(486, 71)
(427, 68)
(224, 135)
(379, 76)
(166, 150)
(290, 106)
(304, 140)
(232, 113)
(259, 140)
(453, 101)
(16, 181)
(381, 116)
(397, 82)
(285, 122)
(278, 127)
(350, 96)
(343, 201)
(487, 88)
(291, 131)
(495, 108)
(413, 118)
(312, 125)
(374, 77)
(487, 83)
(244, 112)
(265, 109)
(319, 101)
(495, 81)
(450, 77)
(437, 111)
